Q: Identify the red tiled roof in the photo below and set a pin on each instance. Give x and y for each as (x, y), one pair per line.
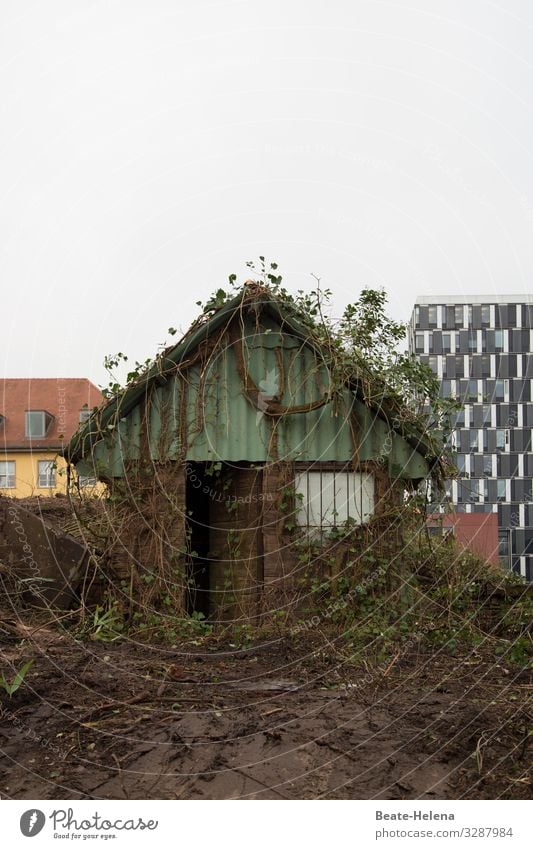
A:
(62, 397)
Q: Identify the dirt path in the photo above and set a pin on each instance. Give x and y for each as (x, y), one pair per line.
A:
(126, 721)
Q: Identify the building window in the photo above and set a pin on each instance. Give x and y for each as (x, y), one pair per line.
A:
(485, 365)
(459, 366)
(432, 316)
(501, 489)
(485, 315)
(473, 439)
(460, 462)
(449, 321)
(2, 420)
(487, 464)
(487, 414)
(472, 342)
(500, 439)
(46, 474)
(417, 316)
(460, 418)
(499, 390)
(419, 343)
(498, 340)
(433, 364)
(446, 389)
(37, 423)
(503, 541)
(328, 499)
(84, 414)
(85, 480)
(7, 474)
(446, 343)
(459, 316)
(472, 390)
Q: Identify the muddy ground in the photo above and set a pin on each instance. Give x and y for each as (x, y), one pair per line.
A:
(286, 719)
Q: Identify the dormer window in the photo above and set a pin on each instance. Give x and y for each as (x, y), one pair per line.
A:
(37, 423)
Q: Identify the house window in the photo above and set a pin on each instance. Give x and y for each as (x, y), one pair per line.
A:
(37, 423)
(84, 414)
(7, 474)
(328, 499)
(85, 480)
(46, 474)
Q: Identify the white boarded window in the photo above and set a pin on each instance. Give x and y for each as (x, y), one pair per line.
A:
(326, 499)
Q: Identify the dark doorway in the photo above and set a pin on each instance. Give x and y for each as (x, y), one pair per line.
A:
(197, 505)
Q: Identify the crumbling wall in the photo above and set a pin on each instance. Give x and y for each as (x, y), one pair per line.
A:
(50, 564)
(147, 543)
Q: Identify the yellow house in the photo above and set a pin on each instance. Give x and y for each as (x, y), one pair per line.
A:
(38, 416)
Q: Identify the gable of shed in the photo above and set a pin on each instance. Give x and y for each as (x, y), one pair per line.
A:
(217, 409)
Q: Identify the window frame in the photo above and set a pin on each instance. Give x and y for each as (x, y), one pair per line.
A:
(10, 477)
(46, 420)
(51, 474)
(334, 514)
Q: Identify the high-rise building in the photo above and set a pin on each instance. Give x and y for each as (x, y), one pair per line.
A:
(480, 348)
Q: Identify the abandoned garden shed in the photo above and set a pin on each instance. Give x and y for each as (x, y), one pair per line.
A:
(233, 444)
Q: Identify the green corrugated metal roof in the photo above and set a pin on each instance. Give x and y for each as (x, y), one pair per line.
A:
(220, 423)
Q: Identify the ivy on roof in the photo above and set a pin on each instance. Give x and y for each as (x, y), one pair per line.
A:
(360, 350)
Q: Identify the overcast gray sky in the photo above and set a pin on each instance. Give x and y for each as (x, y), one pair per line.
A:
(150, 148)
